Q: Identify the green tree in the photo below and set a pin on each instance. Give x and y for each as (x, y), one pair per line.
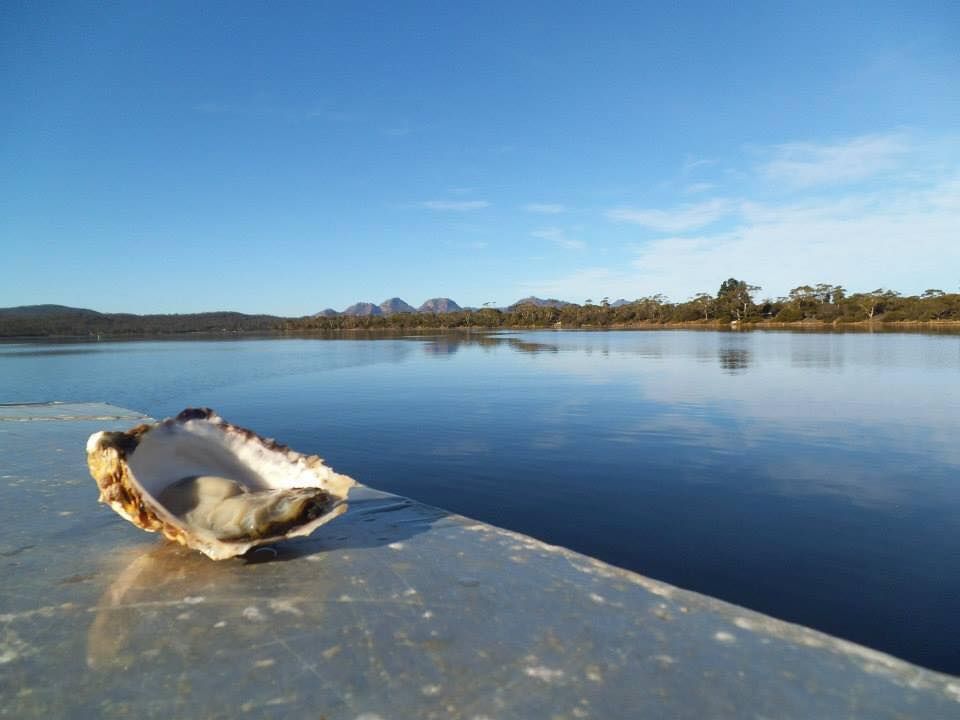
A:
(735, 299)
(873, 303)
(705, 302)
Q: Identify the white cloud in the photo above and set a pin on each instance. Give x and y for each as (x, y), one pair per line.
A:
(545, 208)
(680, 219)
(593, 282)
(893, 239)
(900, 231)
(805, 164)
(698, 187)
(455, 205)
(692, 164)
(558, 236)
(903, 240)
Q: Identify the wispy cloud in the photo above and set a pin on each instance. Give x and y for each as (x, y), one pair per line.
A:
(679, 219)
(699, 187)
(693, 164)
(860, 241)
(559, 237)
(591, 282)
(454, 205)
(806, 164)
(545, 208)
(899, 230)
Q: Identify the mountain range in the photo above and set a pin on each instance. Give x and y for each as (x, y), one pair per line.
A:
(393, 306)
(28, 320)
(436, 306)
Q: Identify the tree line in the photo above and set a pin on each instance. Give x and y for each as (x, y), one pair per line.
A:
(71, 322)
(736, 301)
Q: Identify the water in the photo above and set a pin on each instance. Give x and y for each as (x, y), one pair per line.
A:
(815, 477)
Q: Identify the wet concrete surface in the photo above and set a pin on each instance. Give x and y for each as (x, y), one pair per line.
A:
(395, 610)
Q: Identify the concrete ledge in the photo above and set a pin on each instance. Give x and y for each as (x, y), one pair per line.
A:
(396, 610)
(28, 412)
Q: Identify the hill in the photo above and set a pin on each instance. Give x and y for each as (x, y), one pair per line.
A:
(363, 309)
(395, 305)
(47, 320)
(45, 311)
(540, 302)
(439, 306)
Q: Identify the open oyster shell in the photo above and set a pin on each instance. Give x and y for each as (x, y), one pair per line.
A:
(213, 486)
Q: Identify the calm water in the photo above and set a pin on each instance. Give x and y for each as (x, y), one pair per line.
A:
(815, 477)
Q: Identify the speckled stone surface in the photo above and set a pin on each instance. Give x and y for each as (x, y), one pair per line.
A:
(395, 610)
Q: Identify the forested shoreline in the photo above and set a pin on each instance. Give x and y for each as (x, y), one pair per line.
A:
(736, 303)
(74, 322)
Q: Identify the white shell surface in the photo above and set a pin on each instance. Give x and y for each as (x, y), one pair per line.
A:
(169, 453)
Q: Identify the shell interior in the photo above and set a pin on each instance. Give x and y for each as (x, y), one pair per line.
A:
(214, 486)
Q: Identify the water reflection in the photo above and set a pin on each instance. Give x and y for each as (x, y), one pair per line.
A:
(137, 616)
(532, 348)
(449, 344)
(827, 354)
(166, 600)
(734, 360)
(45, 352)
(443, 346)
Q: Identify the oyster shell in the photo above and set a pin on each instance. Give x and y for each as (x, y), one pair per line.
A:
(213, 486)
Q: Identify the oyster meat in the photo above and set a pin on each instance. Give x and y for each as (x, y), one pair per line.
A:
(213, 486)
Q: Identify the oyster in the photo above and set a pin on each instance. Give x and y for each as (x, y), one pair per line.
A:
(213, 486)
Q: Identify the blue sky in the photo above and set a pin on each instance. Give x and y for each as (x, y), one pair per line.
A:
(286, 157)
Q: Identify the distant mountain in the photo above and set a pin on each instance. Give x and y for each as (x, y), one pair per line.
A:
(395, 305)
(439, 306)
(363, 309)
(540, 302)
(47, 320)
(45, 311)
(620, 303)
(326, 312)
